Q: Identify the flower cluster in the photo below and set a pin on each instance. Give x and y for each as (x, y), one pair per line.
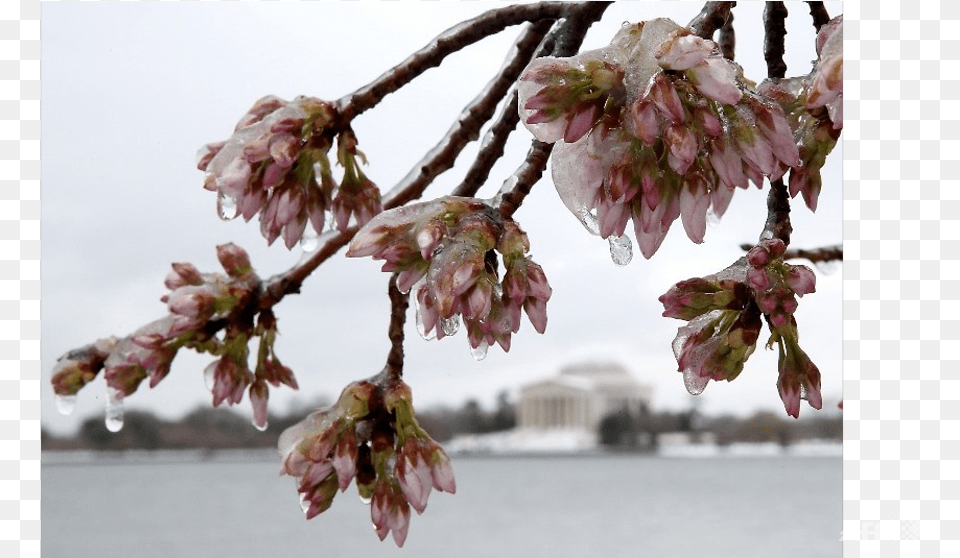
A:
(724, 313)
(276, 165)
(813, 105)
(445, 253)
(369, 435)
(194, 302)
(655, 126)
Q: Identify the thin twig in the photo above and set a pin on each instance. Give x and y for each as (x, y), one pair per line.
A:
(775, 30)
(778, 212)
(711, 17)
(516, 188)
(398, 316)
(728, 39)
(448, 42)
(819, 14)
(466, 129)
(816, 255)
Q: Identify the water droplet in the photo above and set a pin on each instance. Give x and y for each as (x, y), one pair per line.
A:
(304, 503)
(114, 410)
(693, 382)
(480, 351)
(209, 376)
(66, 403)
(450, 325)
(258, 426)
(803, 392)
(226, 206)
(310, 241)
(621, 250)
(366, 500)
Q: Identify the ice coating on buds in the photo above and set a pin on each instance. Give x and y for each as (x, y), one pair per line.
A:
(80, 366)
(369, 435)
(724, 311)
(445, 254)
(276, 165)
(826, 83)
(195, 299)
(679, 130)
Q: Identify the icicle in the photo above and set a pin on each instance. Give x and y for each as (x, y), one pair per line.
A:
(66, 404)
(226, 206)
(480, 351)
(621, 250)
(114, 411)
(694, 383)
(450, 325)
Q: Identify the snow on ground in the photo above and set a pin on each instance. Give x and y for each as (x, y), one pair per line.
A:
(528, 440)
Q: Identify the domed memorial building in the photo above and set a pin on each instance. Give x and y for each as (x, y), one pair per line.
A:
(580, 397)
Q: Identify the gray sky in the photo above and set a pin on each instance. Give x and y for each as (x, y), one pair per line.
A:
(132, 90)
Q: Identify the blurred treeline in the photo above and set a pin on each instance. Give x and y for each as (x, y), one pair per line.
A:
(222, 428)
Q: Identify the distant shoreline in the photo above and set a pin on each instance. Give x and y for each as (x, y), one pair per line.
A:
(266, 455)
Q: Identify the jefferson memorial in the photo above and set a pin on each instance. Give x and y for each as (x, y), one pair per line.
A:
(580, 397)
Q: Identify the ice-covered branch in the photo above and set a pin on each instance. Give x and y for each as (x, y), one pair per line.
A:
(398, 317)
(819, 14)
(712, 17)
(520, 183)
(448, 42)
(775, 30)
(467, 128)
(728, 39)
(823, 254)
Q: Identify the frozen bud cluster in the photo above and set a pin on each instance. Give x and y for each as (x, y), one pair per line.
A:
(724, 312)
(813, 105)
(445, 254)
(276, 165)
(657, 125)
(195, 301)
(370, 436)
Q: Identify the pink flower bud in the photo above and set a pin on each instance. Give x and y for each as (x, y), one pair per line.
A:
(801, 279)
(716, 78)
(665, 98)
(680, 52)
(234, 260)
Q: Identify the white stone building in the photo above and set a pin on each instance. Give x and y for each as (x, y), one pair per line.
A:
(580, 396)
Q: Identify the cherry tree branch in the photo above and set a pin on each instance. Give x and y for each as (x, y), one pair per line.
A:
(819, 14)
(448, 42)
(816, 255)
(398, 316)
(728, 39)
(774, 25)
(467, 128)
(516, 188)
(712, 17)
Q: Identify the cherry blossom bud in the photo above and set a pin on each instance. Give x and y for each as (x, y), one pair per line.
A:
(191, 301)
(683, 147)
(801, 279)
(681, 52)
(80, 366)
(645, 121)
(207, 153)
(665, 98)
(183, 274)
(234, 260)
(716, 78)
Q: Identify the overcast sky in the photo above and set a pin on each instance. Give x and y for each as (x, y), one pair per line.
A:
(132, 90)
